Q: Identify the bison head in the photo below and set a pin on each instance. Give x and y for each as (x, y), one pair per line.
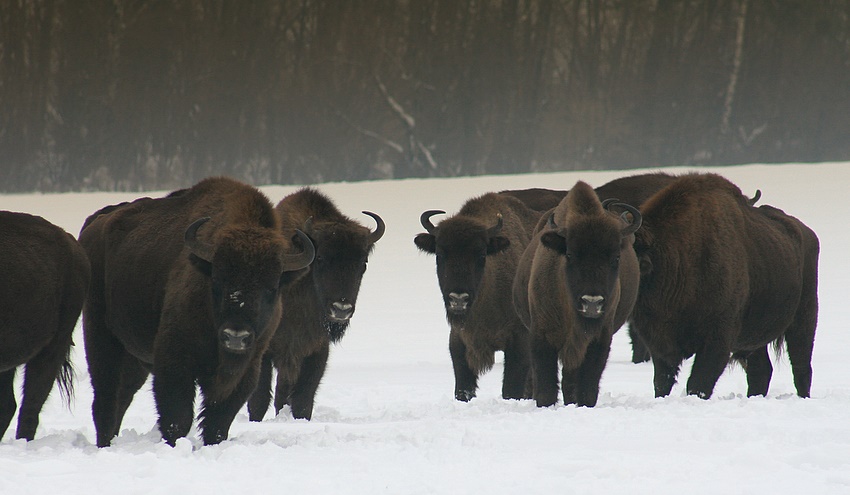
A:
(461, 245)
(591, 243)
(246, 268)
(342, 251)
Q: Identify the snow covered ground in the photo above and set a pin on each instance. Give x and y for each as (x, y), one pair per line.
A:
(385, 418)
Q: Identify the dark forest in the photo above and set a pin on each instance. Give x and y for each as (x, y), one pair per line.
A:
(155, 94)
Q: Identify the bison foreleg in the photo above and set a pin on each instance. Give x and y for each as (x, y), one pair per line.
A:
(216, 417)
(174, 395)
(517, 369)
(544, 365)
(709, 364)
(466, 381)
(262, 396)
(7, 399)
(304, 392)
(590, 372)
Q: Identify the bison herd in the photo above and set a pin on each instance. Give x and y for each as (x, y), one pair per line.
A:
(213, 287)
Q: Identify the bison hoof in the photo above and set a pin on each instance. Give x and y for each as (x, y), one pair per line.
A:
(464, 395)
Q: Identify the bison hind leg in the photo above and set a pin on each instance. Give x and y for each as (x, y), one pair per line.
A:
(7, 399)
(664, 377)
(759, 370)
(640, 352)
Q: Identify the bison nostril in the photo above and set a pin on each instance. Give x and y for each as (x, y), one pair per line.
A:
(591, 306)
(341, 310)
(236, 340)
(460, 298)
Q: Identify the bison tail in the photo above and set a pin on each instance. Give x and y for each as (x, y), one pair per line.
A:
(65, 379)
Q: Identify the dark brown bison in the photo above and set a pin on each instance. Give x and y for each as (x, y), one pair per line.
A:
(630, 190)
(575, 286)
(722, 278)
(477, 251)
(319, 306)
(186, 287)
(45, 278)
(537, 198)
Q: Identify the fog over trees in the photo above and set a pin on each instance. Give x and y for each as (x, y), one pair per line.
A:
(152, 94)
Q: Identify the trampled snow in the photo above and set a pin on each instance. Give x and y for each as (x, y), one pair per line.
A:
(385, 419)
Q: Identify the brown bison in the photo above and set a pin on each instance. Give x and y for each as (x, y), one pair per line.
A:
(45, 279)
(575, 286)
(722, 278)
(631, 190)
(186, 287)
(477, 251)
(319, 306)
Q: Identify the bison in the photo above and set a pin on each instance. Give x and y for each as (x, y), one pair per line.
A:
(319, 306)
(477, 251)
(575, 285)
(45, 279)
(631, 190)
(721, 278)
(185, 287)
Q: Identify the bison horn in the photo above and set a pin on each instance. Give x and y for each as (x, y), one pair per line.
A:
(752, 201)
(492, 231)
(637, 219)
(379, 229)
(200, 249)
(551, 222)
(297, 261)
(608, 202)
(425, 219)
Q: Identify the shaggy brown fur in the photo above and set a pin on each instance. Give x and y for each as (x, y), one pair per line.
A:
(185, 286)
(318, 307)
(575, 286)
(477, 251)
(45, 279)
(722, 278)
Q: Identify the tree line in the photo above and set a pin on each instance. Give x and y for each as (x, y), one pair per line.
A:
(151, 94)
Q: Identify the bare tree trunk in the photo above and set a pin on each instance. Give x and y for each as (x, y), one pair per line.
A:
(736, 67)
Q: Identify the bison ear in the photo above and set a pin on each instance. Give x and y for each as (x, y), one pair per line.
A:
(426, 242)
(497, 244)
(201, 264)
(290, 277)
(645, 265)
(554, 241)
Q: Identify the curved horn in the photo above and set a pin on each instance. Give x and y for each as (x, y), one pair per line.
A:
(550, 223)
(379, 229)
(496, 228)
(637, 219)
(297, 261)
(608, 202)
(200, 249)
(752, 201)
(425, 219)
